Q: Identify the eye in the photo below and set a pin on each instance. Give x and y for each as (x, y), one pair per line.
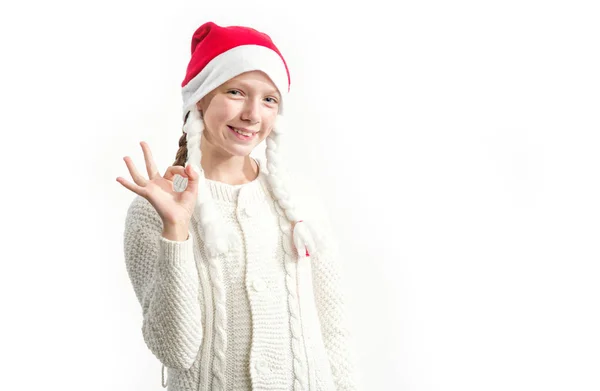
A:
(234, 92)
(273, 100)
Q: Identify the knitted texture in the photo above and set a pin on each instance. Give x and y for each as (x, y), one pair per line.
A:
(160, 271)
(266, 335)
(330, 297)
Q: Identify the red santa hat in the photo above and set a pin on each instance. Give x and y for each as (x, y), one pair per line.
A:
(219, 54)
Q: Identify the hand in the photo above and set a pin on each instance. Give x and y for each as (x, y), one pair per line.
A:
(174, 208)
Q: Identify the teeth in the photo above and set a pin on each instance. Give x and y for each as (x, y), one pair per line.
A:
(242, 133)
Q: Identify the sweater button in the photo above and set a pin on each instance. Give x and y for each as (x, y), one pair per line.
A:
(248, 211)
(259, 285)
(262, 366)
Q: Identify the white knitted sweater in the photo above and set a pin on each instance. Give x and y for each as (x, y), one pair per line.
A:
(285, 326)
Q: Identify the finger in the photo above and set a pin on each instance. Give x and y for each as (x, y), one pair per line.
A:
(149, 159)
(137, 178)
(133, 187)
(192, 178)
(172, 170)
(192, 173)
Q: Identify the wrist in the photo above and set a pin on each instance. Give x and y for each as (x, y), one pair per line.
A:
(175, 232)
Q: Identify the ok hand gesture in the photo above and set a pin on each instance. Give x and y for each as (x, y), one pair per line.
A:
(174, 208)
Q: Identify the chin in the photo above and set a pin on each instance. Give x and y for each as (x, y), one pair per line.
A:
(240, 151)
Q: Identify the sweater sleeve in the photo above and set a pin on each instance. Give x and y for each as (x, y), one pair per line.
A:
(330, 296)
(165, 280)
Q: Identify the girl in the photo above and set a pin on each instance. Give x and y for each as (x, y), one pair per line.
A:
(237, 291)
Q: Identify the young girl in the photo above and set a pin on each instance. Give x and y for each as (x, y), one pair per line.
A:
(238, 291)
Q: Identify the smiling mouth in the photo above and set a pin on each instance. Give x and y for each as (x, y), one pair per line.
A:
(241, 134)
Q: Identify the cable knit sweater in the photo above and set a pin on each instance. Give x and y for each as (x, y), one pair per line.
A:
(286, 327)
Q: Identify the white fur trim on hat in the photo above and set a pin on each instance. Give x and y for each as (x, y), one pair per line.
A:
(232, 63)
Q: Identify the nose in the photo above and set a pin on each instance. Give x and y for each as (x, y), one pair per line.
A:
(251, 111)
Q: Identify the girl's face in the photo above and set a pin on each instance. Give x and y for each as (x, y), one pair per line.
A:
(248, 103)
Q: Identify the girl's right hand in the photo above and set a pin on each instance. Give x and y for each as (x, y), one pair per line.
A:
(174, 208)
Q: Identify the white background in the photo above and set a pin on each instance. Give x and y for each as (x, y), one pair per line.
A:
(455, 143)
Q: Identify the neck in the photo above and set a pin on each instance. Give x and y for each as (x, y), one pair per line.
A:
(226, 168)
